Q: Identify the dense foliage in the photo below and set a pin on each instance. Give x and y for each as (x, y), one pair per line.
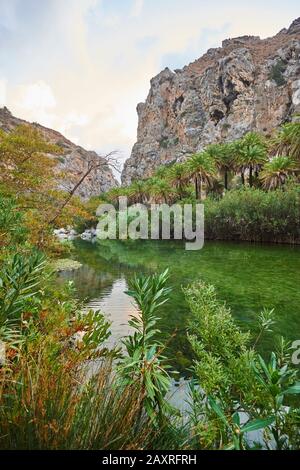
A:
(255, 215)
(28, 185)
(250, 186)
(237, 390)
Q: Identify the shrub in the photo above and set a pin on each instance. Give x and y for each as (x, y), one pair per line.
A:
(144, 363)
(253, 215)
(236, 391)
(219, 344)
(12, 230)
(277, 72)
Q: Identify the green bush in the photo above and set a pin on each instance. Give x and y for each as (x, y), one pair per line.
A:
(277, 72)
(12, 230)
(254, 215)
(218, 342)
(236, 391)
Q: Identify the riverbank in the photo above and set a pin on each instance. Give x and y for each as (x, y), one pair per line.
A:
(245, 214)
(255, 216)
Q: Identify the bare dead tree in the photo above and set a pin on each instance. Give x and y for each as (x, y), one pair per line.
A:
(93, 163)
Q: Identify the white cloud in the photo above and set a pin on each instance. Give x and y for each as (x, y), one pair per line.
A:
(8, 17)
(37, 96)
(137, 8)
(112, 20)
(76, 119)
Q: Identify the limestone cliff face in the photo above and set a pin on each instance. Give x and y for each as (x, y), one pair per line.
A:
(247, 84)
(71, 161)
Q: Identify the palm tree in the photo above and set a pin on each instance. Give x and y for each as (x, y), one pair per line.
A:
(295, 139)
(280, 143)
(179, 177)
(162, 171)
(222, 155)
(287, 140)
(113, 194)
(203, 170)
(216, 189)
(161, 190)
(138, 192)
(276, 172)
(250, 153)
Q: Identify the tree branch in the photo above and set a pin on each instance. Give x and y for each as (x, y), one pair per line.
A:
(95, 162)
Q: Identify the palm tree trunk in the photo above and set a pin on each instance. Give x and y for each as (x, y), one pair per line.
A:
(243, 178)
(226, 179)
(250, 176)
(180, 191)
(196, 187)
(200, 189)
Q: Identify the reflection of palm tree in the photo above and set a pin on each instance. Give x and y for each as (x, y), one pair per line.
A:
(250, 153)
(222, 155)
(179, 177)
(203, 170)
(276, 172)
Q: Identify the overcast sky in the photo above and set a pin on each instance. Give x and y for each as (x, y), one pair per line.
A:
(81, 66)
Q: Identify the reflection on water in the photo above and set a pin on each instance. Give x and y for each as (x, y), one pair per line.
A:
(248, 277)
(117, 307)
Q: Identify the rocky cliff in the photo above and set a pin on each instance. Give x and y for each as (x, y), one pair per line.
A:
(247, 84)
(72, 160)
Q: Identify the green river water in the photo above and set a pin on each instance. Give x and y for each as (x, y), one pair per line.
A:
(247, 276)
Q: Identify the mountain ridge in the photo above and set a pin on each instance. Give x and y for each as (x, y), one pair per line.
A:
(71, 161)
(247, 84)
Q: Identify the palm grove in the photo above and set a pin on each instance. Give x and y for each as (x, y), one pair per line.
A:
(253, 175)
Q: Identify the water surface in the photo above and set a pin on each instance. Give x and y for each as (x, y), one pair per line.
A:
(248, 277)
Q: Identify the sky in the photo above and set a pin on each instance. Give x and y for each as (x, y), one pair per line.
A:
(82, 66)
